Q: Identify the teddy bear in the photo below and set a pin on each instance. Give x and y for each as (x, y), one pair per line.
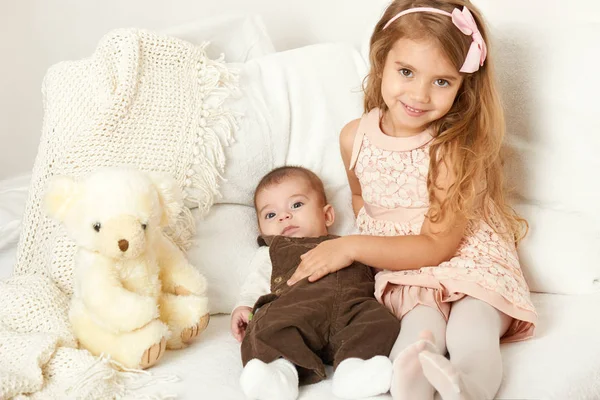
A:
(134, 292)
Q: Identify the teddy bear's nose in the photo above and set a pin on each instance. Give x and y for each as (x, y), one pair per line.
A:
(123, 245)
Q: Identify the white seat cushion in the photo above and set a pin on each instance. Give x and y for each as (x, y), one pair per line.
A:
(560, 363)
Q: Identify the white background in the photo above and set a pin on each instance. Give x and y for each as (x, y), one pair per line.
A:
(34, 34)
(38, 33)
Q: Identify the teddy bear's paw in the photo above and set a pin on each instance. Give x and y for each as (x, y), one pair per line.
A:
(153, 354)
(189, 334)
(181, 291)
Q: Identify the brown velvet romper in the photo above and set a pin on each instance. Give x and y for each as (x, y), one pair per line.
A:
(324, 322)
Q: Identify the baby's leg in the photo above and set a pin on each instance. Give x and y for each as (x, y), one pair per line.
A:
(280, 349)
(355, 378)
(474, 370)
(362, 345)
(277, 380)
(422, 329)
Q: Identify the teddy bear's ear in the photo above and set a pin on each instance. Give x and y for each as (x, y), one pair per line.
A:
(170, 197)
(60, 194)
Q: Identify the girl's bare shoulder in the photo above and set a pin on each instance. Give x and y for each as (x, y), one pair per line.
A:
(348, 133)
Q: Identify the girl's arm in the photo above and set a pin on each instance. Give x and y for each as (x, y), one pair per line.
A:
(346, 143)
(430, 248)
(433, 245)
(437, 242)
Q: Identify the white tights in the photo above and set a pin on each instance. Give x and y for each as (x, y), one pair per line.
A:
(472, 336)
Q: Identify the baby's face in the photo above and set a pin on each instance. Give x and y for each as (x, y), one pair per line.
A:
(292, 208)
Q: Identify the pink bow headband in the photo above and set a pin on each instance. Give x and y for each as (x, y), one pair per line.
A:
(465, 22)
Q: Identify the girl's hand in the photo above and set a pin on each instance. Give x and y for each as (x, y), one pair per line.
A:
(329, 256)
(239, 322)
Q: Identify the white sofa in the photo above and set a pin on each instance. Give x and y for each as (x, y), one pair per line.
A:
(295, 103)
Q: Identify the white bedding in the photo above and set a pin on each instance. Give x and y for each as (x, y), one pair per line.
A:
(562, 362)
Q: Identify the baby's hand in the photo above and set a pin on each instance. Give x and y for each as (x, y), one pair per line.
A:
(239, 322)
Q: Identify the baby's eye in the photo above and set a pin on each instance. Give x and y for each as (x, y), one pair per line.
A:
(297, 204)
(97, 226)
(442, 83)
(405, 72)
(270, 215)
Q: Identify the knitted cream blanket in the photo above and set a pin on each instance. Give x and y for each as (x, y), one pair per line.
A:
(143, 100)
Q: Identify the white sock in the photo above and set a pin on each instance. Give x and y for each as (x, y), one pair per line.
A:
(355, 378)
(277, 380)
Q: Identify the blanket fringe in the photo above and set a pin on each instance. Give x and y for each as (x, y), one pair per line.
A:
(213, 131)
(125, 382)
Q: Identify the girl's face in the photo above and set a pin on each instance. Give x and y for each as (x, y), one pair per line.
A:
(419, 85)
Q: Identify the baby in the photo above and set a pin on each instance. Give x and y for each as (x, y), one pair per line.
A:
(287, 332)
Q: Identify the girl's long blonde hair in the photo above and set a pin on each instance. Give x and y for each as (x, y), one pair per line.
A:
(470, 136)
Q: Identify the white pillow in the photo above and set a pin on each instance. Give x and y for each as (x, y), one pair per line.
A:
(294, 103)
(561, 252)
(13, 194)
(225, 243)
(550, 94)
(238, 37)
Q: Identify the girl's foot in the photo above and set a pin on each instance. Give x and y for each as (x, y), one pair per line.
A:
(408, 381)
(447, 379)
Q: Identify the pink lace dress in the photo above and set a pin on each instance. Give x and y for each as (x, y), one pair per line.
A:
(393, 177)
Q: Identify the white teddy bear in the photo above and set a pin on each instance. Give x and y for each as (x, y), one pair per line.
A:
(135, 293)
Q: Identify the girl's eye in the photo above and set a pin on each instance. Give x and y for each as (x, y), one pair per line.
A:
(270, 215)
(297, 204)
(97, 226)
(442, 83)
(405, 72)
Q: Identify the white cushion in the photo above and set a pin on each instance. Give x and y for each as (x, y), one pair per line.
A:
(560, 363)
(546, 62)
(561, 252)
(13, 194)
(225, 244)
(238, 37)
(294, 103)
(295, 110)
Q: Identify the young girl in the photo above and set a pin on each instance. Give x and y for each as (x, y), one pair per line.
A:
(425, 172)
